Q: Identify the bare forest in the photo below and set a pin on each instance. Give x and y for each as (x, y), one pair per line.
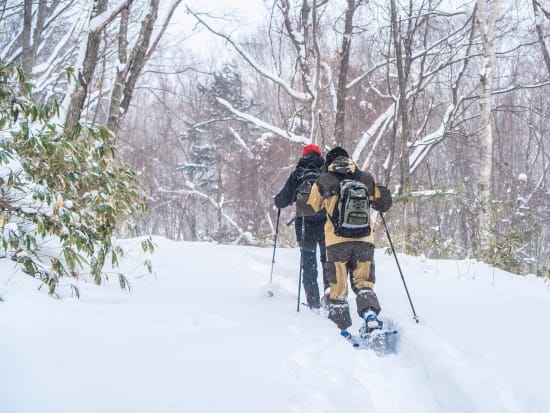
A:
(446, 103)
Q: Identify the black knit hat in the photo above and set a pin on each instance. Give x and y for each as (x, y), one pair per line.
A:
(335, 153)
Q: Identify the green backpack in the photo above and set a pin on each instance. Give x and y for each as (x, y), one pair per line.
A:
(351, 217)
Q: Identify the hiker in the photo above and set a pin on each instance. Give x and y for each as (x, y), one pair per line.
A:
(352, 252)
(309, 225)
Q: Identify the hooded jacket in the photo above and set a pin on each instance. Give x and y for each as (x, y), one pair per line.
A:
(325, 193)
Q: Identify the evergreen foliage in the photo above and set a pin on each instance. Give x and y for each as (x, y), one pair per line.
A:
(55, 187)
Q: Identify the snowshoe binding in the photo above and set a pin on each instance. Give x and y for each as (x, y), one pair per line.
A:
(373, 336)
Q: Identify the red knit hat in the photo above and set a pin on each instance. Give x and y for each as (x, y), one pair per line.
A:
(311, 148)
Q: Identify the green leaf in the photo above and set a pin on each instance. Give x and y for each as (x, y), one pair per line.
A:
(123, 282)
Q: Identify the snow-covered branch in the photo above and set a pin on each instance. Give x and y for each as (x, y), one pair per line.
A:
(432, 48)
(100, 22)
(424, 146)
(252, 62)
(261, 124)
(242, 143)
(430, 193)
(378, 127)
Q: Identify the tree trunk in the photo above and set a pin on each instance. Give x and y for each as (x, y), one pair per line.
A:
(540, 34)
(219, 197)
(116, 94)
(316, 103)
(133, 64)
(41, 15)
(486, 26)
(402, 76)
(26, 56)
(85, 72)
(341, 91)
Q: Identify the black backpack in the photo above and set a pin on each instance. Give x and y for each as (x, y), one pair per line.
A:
(351, 217)
(305, 181)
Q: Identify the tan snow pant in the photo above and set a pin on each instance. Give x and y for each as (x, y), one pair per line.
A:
(353, 260)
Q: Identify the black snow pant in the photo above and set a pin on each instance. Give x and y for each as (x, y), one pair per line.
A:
(310, 236)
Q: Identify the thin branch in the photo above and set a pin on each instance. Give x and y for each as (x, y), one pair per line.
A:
(261, 124)
(264, 72)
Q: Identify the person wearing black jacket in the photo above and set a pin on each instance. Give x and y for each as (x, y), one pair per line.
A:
(309, 229)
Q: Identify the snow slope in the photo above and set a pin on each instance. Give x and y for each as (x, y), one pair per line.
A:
(202, 336)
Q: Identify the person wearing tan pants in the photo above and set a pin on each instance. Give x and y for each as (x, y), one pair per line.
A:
(348, 257)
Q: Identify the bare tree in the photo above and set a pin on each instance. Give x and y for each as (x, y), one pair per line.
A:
(341, 88)
(541, 12)
(415, 71)
(42, 41)
(304, 33)
(403, 63)
(85, 68)
(130, 66)
(54, 35)
(486, 20)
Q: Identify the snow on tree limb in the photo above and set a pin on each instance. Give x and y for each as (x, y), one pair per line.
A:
(424, 146)
(378, 127)
(430, 48)
(241, 142)
(61, 54)
(252, 62)
(430, 193)
(99, 22)
(261, 124)
(511, 88)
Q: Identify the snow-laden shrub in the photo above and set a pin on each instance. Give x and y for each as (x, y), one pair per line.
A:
(66, 187)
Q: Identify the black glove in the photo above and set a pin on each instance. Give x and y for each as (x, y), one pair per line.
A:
(384, 203)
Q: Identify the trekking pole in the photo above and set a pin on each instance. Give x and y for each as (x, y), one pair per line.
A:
(399, 268)
(301, 264)
(269, 292)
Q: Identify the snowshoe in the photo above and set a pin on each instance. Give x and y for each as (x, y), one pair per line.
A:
(373, 336)
(372, 322)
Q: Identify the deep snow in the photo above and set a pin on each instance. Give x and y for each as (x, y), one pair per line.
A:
(202, 336)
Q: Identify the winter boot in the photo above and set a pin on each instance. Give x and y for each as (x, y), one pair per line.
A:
(339, 313)
(371, 323)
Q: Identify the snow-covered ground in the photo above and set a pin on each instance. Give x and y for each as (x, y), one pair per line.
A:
(202, 336)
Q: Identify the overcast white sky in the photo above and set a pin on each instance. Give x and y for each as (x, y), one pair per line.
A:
(249, 8)
(243, 12)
